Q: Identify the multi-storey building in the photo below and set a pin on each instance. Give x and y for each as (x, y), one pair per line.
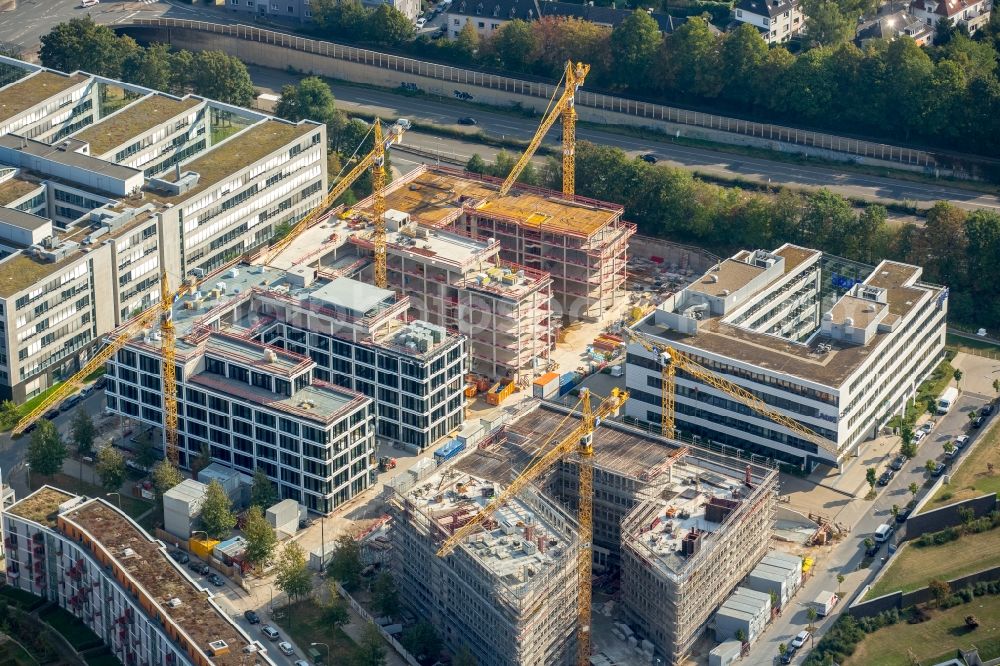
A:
(839, 353)
(973, 14)
(507, 594)
(459, 282)
(777, 20)
(102, 198)
(95, 562)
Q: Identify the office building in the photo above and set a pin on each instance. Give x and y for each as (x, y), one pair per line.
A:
(837, 346)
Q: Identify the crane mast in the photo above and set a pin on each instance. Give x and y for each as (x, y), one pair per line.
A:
(169, 371)
(378, 207)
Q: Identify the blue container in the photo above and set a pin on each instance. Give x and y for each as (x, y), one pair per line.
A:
(568, 378)
(448, 451)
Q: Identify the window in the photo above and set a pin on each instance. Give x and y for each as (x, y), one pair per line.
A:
(482, 25)
(291, 10)
(739, 13)
(215, 366)
(455, 21)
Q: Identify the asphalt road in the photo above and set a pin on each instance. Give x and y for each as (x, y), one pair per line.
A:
(849, 553)
(34, 18)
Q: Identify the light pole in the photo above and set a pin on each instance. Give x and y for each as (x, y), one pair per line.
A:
(327, 649)
(119, 499)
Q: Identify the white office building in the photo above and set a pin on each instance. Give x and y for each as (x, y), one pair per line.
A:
(838, 347)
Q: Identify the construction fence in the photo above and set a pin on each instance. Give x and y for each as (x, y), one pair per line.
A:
(584, 98)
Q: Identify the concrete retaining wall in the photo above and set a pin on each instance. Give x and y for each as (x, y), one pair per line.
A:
(276, 50)
(947, 516)
(900, 600)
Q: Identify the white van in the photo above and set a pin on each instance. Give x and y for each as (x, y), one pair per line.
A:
(882, 533)
(89, 3)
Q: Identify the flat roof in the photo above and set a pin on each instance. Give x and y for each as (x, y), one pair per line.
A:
(41, 506)
(20, 271)
(354, 295)
(14, 188)
(255, 354)
(859, 310)
(437, 195)
(146, 561)
(235, 153)
(133, 121)
(728, 276)
(32, 90)
(22, 220)
(319, 402)
(70, 157)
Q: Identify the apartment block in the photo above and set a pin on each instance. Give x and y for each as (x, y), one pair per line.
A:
(104, 186)
(96, 563)
(461, 283)
(837, 346)
(580, 244)
(508, 593)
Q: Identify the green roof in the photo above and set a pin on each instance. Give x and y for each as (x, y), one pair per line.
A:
(251, 145)
(14, 188)
(30, 91)
(133, 121)
(20, 271)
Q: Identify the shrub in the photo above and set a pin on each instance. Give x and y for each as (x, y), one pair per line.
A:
(946, 495)
(966, 593)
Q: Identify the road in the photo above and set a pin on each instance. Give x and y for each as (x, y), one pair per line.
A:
(34, 18)
(847, 556)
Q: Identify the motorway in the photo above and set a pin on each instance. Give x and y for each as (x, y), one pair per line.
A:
(848, 554)
(34, 18)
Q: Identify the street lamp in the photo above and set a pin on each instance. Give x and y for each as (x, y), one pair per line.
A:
(327, 649)
(119, 499)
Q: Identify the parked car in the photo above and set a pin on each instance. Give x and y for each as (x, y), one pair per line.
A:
(885, 478)
(270, 632)
(199, 567)
(939, 470)
(421, 22)
(467, 120)
(904, 512)
(180, 556)
(788, 656)
(286, 648)
(101, 382)
(978, 421)
(986, 410)
(251, 617)
(70, 403)
(898, 463)
(216, 580)
(86, 392)
(52, 413)
(961, 441)
(800, 639)
(951, 454)
(301, 662)
(648, 157)
(928, 426)
(918, 435)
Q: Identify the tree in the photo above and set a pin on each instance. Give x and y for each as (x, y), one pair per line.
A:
(894, 511)
(972, 415)
(263, 491)
(930, 466)
(151, 67)
(782, 649)
(940, 589)
(476, 164)
(385, 596)
(958, 374)
(914, 489)
(871, 476)
(222, 77)
(909, 447)
(293, 576)
(145, 451)
(466, 45)
(83, 44)
(742, 55)
(334, 607)
(691, 60)
(840, 581)
(165, 476)
(996, 386)
(948, 447)
(10, 414)
(634, 44)
(260, 537)
(46, 450)
(741, 636)
(83, 432)
(827, 23)
(515, 45)
(422, 641)
(371, 648)
(340, 18)
(217, 517)
(111, 468)
(464, 658)
(811, 615)
(345, 562)
(389, 26)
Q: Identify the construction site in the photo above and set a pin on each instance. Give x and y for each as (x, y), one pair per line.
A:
(679, 526)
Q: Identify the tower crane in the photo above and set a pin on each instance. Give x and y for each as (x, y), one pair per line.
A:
(374, 160)
(673, 360)
(581, 440)
(564, 107)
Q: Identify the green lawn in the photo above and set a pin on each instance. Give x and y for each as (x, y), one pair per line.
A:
(971, 345)
(972, 478)
(23, 600)
(913, 567)
(932, 387)
(303, 621)
(33, 402)
(72, 629)
(935, 640)
(12, 654)
(133, 506)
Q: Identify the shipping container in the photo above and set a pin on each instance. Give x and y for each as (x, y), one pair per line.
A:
(499, 392)
(568, 378)
(449, 451)
(471, 434)
(545, 386)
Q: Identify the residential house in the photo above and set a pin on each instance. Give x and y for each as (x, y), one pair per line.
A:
(486, 16)
(972, 14)
(893, 26)
(777, 20)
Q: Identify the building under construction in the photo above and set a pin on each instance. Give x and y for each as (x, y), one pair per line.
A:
(709, 515)
(508, 594)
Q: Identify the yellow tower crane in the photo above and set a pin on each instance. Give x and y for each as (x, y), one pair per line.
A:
(169, 371)
(374, 160)
(565, 108)
(673, 360)
(581, 440)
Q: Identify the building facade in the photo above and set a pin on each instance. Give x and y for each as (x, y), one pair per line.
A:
(96, 563)
(972, 14)
(840, 349)
(777, 20)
